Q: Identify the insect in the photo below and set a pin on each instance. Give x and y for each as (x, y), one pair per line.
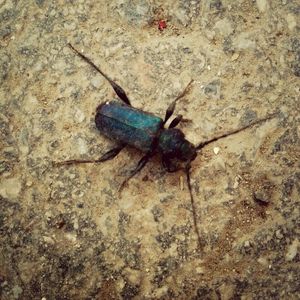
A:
(129, 126)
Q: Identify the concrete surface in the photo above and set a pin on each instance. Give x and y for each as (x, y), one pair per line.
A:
(67, 234)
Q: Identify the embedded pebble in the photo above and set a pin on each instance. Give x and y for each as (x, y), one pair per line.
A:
(263, 261)
(97, 82)
(79, 115)
(246, 244)
(29, 183)
(278, 234)
(48, 240)
(244, 41)
(236, 183)
(17, 291)
(75, 224)
(82, 146)
(200, 270)
(70, 26)
(224, 27)
(216, 150)
(261, 196)
(10, 188)
(235, 56)
(291, 21)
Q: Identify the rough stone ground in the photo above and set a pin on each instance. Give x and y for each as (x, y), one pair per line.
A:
(67, 234)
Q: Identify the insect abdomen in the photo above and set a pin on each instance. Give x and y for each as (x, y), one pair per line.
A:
(127, 125)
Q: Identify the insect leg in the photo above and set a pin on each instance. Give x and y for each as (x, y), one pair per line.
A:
(171, 108)
(141, 164)
(175, 121)
(106, 156)
(119, 91)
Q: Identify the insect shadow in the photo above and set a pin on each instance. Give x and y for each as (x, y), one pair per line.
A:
(129, 126)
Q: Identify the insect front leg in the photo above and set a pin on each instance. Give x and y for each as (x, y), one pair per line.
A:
(106, 156)
(171, 108)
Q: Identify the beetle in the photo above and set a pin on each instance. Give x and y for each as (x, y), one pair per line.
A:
(129, 126)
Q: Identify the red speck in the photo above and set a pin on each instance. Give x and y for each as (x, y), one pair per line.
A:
(162, 24)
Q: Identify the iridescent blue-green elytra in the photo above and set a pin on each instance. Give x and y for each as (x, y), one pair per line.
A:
(128, 125)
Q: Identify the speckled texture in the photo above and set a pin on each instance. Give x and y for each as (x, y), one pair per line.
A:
(67, 234)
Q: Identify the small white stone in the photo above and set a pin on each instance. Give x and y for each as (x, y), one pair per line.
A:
(48, 240)
(246, 244)
(235, 56)
(216, 150)
(236, 183)
(278, 234)
(76, 224)
(71, 237)
(79, 115)
(29, 183)
(82, 146)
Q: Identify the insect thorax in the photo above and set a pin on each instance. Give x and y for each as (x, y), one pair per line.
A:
(172, 143)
